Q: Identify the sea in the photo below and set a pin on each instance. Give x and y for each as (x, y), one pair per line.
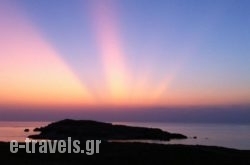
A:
(235, 136)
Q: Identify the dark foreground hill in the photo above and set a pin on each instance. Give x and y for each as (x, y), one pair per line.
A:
(132, 154)
(85, 129)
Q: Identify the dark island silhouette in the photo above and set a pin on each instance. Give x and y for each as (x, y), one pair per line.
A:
(87, 129)
(133, 153)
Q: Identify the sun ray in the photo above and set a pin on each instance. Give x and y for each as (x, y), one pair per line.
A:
(109, 42)
(32, 72)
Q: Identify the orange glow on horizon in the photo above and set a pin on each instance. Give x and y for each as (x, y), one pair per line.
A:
(34, 74)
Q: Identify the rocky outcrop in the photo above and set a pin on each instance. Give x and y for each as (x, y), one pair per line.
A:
(86, 129)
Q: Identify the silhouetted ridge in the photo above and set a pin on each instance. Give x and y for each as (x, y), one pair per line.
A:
(87, 129)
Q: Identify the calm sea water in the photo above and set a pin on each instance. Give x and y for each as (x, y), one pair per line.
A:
(226, 135)
(15, 130)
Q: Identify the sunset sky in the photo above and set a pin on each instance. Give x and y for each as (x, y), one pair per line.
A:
(124, 53)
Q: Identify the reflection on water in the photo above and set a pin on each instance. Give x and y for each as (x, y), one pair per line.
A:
(15, 130)
(226, 135)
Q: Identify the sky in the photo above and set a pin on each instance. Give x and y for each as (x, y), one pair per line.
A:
(114, 53)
